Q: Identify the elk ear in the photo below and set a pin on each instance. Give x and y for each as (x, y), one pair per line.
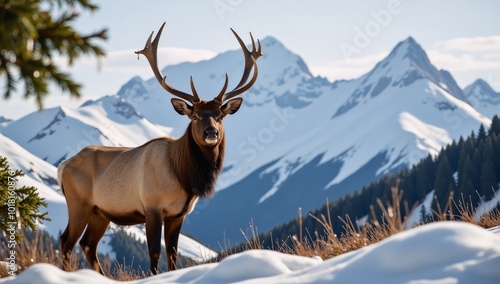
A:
(232, 106)
(181, 107)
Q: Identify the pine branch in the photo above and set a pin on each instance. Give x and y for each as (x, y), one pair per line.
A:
(10, 85)
(26, 200)
(30, 36)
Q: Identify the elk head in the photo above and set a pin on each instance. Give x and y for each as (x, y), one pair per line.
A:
(206, 116)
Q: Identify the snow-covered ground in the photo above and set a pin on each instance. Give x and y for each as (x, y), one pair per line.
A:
(444, 252)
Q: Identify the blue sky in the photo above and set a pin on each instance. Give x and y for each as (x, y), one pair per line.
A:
(337, 39)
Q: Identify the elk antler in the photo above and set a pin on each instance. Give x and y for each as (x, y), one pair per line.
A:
(250, 62)
(150, 51)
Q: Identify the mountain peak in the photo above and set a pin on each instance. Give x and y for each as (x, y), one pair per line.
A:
(483, 97)
(405, 64)
(411, 50)
(4, 119)
(269, 41)
(133, 90)
(410, 40)
(410, 55)
(482, 85)
(409, 44)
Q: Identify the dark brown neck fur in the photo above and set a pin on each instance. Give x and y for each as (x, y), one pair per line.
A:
(197, 168)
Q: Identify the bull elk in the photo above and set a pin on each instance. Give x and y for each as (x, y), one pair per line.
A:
(158, 182)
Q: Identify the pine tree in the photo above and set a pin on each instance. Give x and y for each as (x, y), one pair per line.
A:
(347, 208)
(407, 184)
(422, 180)
(453, 154)
(473, 136)
(128, 250)
(445, 184)
(466, 183)
(466, 150)
(487, 180)
(19, 206)
(495, 141)
(495, 126)
(476, 167)
(32, 34)
(481, 135)
(470, 194)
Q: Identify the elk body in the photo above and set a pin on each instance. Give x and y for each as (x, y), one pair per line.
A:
(157, 183)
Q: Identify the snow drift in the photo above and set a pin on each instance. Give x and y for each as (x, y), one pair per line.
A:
(443, 252)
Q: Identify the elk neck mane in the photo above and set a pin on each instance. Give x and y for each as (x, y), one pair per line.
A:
(197, 167)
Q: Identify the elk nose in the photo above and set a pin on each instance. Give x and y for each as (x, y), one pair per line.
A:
(211, 133)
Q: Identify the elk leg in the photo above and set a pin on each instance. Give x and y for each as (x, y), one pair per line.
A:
(172, 231)
(77, 221)
(153, 236)
(63, 240)
(95, 230)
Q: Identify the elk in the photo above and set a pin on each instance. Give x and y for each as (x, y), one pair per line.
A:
(156, 183)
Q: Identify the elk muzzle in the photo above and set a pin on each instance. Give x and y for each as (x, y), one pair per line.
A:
(211, 135)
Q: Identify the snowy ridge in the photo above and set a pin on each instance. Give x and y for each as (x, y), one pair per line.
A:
(109, 121)
(442, 252)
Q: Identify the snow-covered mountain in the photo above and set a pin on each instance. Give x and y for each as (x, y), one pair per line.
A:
(58, 133)
(43, 176)
(483, 98)
(284, 81)
(297, 139)
(348, 135)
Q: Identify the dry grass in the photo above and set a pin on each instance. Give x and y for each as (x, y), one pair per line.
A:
(394, 221)
(329, 245)
(124, 272)
(37, 250)
(40, 250)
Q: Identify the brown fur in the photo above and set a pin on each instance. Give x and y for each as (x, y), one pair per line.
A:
(197, 168)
